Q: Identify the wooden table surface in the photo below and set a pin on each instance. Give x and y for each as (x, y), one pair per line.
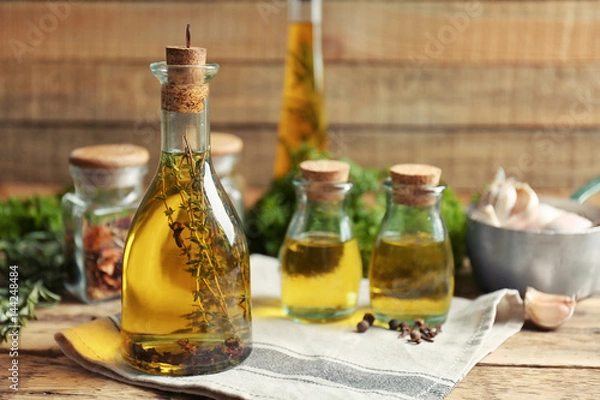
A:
(533, 364)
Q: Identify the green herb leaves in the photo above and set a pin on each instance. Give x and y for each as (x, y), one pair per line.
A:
(31, 240)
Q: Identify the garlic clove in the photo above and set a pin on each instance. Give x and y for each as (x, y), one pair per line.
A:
(505, 201)
(548, 311)
(526, 207)
(569, 222)
(546, 214)
(487, 215)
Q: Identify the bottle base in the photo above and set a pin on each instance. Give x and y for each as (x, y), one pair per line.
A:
(430, 320)
(316, 315)
(183, 358)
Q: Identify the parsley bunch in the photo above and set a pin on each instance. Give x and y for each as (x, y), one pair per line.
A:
(31, 248)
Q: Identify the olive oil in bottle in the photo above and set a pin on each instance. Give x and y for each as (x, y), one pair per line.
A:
(321, 266)
(186, 274)
(185, 305)
(302, 120)
(411, 274)
(412, 278)
(320, 274)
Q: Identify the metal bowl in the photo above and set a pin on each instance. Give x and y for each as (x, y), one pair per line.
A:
(552, 262)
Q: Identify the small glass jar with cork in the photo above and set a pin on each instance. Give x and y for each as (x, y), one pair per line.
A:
(108, 181)
(411, 273)
(321, 266)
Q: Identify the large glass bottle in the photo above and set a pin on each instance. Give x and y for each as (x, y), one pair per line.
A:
(186, 279)
(302, 120)
(411, 273)
(321, 266)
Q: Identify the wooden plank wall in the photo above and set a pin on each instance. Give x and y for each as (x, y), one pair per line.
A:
(466, 85)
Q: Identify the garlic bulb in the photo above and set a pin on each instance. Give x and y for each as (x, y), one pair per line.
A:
(548, 311)
(511, 204)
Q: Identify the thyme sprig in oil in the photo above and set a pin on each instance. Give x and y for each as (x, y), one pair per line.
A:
(197, 238)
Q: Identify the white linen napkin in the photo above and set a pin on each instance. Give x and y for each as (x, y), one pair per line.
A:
(290, 360)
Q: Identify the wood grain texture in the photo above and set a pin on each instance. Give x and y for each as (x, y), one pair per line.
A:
(574, 344)
(467, 157)
(548, 97)
(505, 383)
(56, 376)
(561, 364)
(518, 87)
(382, 31)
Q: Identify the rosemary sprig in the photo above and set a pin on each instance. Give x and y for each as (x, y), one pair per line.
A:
(30, 295)
(31, 242)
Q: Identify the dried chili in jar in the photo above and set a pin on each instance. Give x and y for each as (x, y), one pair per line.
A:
(108, 182)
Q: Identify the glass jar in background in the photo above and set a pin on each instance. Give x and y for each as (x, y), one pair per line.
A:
(321, 266)
(225, 150)
(108, 181)
(412, 269)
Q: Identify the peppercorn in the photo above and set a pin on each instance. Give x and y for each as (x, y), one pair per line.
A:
(415, 336)
(362, 326)
(419, 322)
(394, 324)
(427, 338)
(370, 318)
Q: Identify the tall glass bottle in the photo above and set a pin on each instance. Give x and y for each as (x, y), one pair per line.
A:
(321, 266)
(412, 269)
(186, 279)
(302, 120)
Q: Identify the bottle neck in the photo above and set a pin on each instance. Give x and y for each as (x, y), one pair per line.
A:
(305, 11)
(301, 14)
(185, 119)
(182, 130)
(414, 209)
(321, 208)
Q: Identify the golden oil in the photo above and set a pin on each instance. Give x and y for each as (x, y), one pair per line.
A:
(320, 276)
(186, 295)
(413, 277)
(302, 119)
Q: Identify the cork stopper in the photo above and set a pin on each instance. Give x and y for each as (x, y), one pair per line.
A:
(415, 174)
(329, 171)
(185, 90)
(186, 55)
(223, 144)
(109, 156)
(413, 177)
(323, 174)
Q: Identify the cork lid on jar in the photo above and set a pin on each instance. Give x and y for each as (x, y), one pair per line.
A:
(415, 174)
(109, 156)
(329, 171)
(322, 177)
(412, 181)
(223, 144)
